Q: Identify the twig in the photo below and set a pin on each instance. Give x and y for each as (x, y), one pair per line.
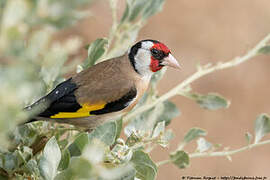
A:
(177, 90)
(112, 34)
(228, 153)
(160, 163)
(39, 144)
(219, 153)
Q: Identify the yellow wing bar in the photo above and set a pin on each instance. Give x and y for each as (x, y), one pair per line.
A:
(82, 112)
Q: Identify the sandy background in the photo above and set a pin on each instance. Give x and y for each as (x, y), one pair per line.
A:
(208, 31)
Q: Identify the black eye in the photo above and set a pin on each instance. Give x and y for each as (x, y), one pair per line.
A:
(159, 55)
(154, 52)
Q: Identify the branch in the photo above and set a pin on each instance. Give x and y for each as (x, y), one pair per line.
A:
(228, 153)
(113, 5)
(219, 153)
(202, 71)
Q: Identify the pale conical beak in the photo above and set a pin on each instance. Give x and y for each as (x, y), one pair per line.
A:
(171, 61)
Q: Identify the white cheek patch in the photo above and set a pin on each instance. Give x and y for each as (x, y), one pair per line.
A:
(143, 57)
(143, 61)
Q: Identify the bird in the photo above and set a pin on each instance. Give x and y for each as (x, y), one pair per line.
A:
(106, 90)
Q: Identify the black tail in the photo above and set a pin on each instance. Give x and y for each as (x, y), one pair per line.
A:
(60, 99)
(31, 110)
(30, 120)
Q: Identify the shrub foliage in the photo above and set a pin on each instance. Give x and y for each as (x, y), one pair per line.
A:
(33, 62)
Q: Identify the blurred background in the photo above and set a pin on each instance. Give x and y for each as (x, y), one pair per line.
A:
(202, 32)
(209, 31)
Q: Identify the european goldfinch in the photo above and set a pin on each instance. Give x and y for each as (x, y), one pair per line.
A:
(108, 89)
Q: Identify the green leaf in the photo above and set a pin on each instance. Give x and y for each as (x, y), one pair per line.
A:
(203, 145)
(132, 139)
(120, 172)
(159, 129)
(26, 134)
(23, 155)
(122, 153)
(79, 169)
(145, 168)
(180, 159)
(170, 111)
(144, 8)
(194, 133)
(66, 174)
(166, 138)
(147, 121)
(95, 51)
(94, 152)
(63, 143)
(64, 160)
(50, 160)
(130, 175)
(32, 167)
(136, 8)
(125, 15)
(211, 101)
(76, 148)
(107, 132)
(152, 8)
(119, 125)
(262, 127)
(265, 50)
(8, 162)
(248, 137)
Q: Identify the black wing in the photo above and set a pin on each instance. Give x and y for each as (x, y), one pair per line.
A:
(61, 99)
